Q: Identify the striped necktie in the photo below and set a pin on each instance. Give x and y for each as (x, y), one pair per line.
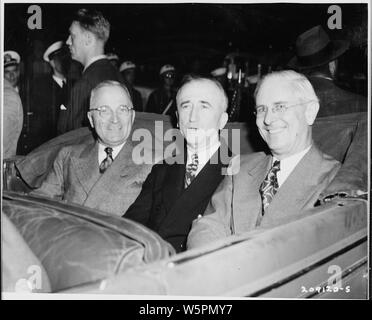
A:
(269, 186)
(191, 170)
(107, 161)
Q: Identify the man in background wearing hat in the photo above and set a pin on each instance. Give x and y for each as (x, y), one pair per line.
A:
(128, 71)
(220, 75)
(316, 57)
(11, 68)
(51, 95)
(162, 100)
(89, 33)
(113, 58)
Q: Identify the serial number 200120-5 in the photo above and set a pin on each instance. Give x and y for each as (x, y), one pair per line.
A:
(332, 289)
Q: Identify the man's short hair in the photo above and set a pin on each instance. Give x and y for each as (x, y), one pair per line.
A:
(95, 22)
(299, 84)
(193, 77)
(107, 83)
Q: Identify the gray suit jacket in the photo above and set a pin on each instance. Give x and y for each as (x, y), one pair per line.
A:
(75, 177)
(236, 205)
(13, 120)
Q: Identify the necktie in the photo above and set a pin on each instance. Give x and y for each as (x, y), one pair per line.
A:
(269, 186)
(191, 170)
(107, 161)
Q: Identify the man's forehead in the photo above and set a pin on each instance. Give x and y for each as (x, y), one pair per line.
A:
(110, 92)
(198, 89)
(275, 90)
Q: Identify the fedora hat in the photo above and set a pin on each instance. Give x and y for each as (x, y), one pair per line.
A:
(314, 48)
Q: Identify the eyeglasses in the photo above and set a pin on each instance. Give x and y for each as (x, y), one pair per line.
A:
(279, 108)
(106, 112)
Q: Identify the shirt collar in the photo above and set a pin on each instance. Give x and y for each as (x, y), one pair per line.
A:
(204, 154)
(58, 80)
(102, 154)
(287, 165)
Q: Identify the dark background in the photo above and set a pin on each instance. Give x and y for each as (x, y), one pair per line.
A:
(198, 36)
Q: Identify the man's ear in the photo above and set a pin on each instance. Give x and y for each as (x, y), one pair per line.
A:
(88, 38)
(312, 109)
(89, 114)
(223, 120)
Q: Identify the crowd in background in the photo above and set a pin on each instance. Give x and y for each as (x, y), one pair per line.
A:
(46, 79)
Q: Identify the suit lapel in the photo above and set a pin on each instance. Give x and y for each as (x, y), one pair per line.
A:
(190, 198)
(86, 166)
(123, 169)
(294, 192)
(173, 184)
(256, 173)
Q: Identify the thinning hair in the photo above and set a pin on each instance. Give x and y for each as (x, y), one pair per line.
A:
(93, 21)
(188, 78)
(297, 82)
(107, 83)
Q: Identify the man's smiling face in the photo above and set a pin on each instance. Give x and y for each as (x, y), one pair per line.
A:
(285, 133)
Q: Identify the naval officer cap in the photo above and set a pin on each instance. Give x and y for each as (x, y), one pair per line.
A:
(126, 65)
(112, 56)
(52, 50)
(11, 58)
(167, 68)
(218, 72)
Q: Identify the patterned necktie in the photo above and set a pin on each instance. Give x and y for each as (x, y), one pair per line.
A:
(191, 170)
(269, 186)
(107, 161)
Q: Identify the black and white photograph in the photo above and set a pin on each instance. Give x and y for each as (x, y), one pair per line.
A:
(185, 150)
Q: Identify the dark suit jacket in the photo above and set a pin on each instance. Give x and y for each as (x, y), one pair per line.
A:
(158, 101)
(334, 100)
(236, 206)
(76, 114)
(75, 178)
(48, 97)
(166, 207)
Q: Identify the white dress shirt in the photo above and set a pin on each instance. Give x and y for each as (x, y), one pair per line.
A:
(58, 80)
(102, 153)
(204, 155)
(287, 165)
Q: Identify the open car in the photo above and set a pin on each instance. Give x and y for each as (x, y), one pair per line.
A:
(320, 253)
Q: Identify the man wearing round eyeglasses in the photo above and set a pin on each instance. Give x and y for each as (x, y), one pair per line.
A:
(269, 188)
(102, 174)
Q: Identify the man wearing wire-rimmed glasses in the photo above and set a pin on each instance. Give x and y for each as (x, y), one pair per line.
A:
(103, 174)
(271, 187)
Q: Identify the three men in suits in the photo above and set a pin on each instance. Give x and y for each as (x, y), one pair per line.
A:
(174, 194)
(102, 175)
(317, 57)
(270, 188)
(89, 32)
